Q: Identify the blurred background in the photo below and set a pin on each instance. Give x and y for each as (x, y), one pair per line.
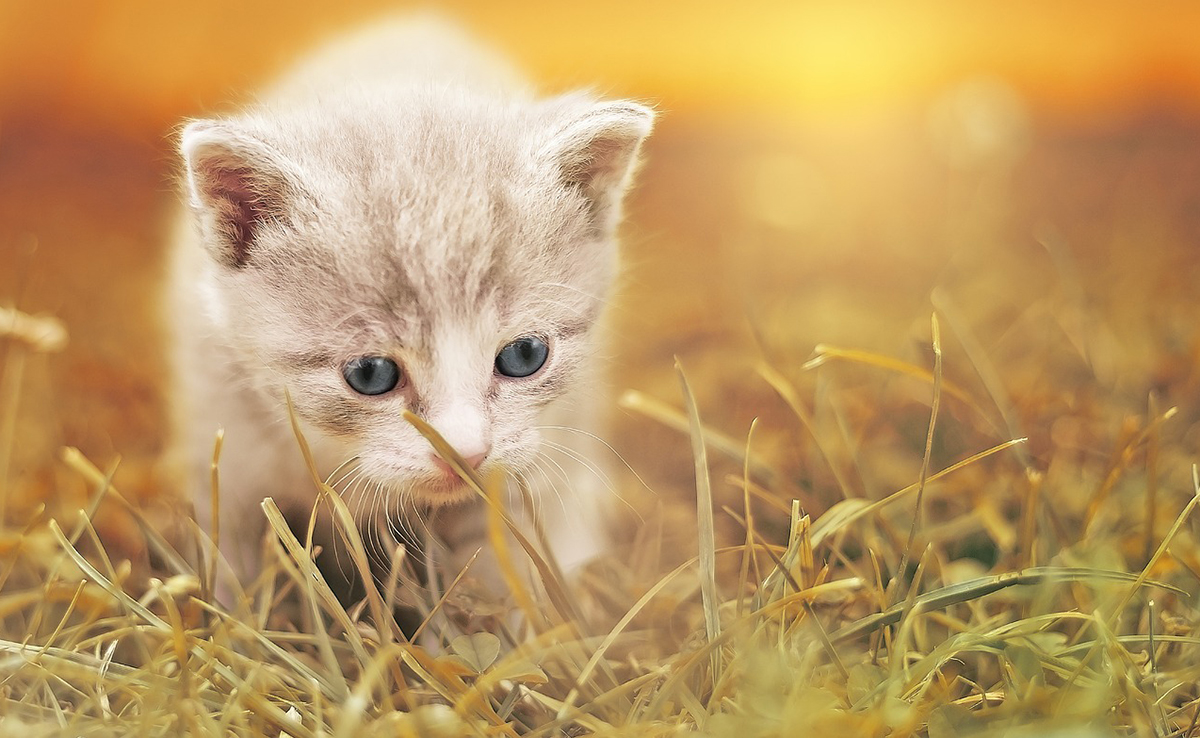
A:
(823, 172)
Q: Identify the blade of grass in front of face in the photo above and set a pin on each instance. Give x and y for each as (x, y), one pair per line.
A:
(705, 524)
(554, 588)
(348, 529)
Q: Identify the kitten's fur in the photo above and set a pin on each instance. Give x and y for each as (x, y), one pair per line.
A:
(400, 194)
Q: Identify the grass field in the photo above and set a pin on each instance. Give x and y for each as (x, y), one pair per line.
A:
(935, 399)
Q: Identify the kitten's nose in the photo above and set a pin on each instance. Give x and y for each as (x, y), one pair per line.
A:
(474, 461)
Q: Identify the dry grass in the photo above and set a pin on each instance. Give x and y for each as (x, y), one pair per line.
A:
(1006, 590)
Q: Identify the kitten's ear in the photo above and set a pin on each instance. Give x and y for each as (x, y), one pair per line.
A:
(597, 153)
(237, 185)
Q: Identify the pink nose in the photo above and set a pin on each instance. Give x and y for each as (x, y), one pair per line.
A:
(474, 461)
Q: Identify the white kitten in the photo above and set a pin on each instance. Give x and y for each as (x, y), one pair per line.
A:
(398, 224)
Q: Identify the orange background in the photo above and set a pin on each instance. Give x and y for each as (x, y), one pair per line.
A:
(138, 65)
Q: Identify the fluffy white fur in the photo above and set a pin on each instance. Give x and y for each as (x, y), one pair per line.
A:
(400, 194)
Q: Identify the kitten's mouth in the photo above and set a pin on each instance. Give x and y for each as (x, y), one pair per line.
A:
(430, 487)
(442, 489)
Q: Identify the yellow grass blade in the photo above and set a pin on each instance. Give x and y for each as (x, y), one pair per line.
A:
(784, 388)
(851, 510)
(348, 528)
(554, 588)
(671, 417)
(975, 588)
(705, 526)
(923, 478)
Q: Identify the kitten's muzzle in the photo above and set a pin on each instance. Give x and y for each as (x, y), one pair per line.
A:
(474, 461)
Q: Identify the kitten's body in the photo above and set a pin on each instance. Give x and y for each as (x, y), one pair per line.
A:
(400, 195)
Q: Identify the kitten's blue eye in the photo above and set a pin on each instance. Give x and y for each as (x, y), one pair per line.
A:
(372, 375)
(522, 357)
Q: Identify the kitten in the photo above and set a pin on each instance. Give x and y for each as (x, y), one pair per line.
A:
(400, 223)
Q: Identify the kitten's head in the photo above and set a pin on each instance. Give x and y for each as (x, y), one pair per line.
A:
(433, 253)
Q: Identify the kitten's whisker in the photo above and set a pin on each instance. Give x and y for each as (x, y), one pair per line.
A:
(536, 494)
(348, 478)
(378, 553)
(604, 443)
(543, 458)
(394, 526)
(352, 487)
(583, 461)
(338, 469)
(426, 534)
(521, 480)
(397, 524)
(366, 516)
(401, 517)
(349, 496)
(562, 474)
(530, 495)
(595, 469)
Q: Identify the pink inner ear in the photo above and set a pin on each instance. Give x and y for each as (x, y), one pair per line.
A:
(239, 206)
(597, 154)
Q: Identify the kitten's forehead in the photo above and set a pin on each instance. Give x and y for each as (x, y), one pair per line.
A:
(431, 214)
